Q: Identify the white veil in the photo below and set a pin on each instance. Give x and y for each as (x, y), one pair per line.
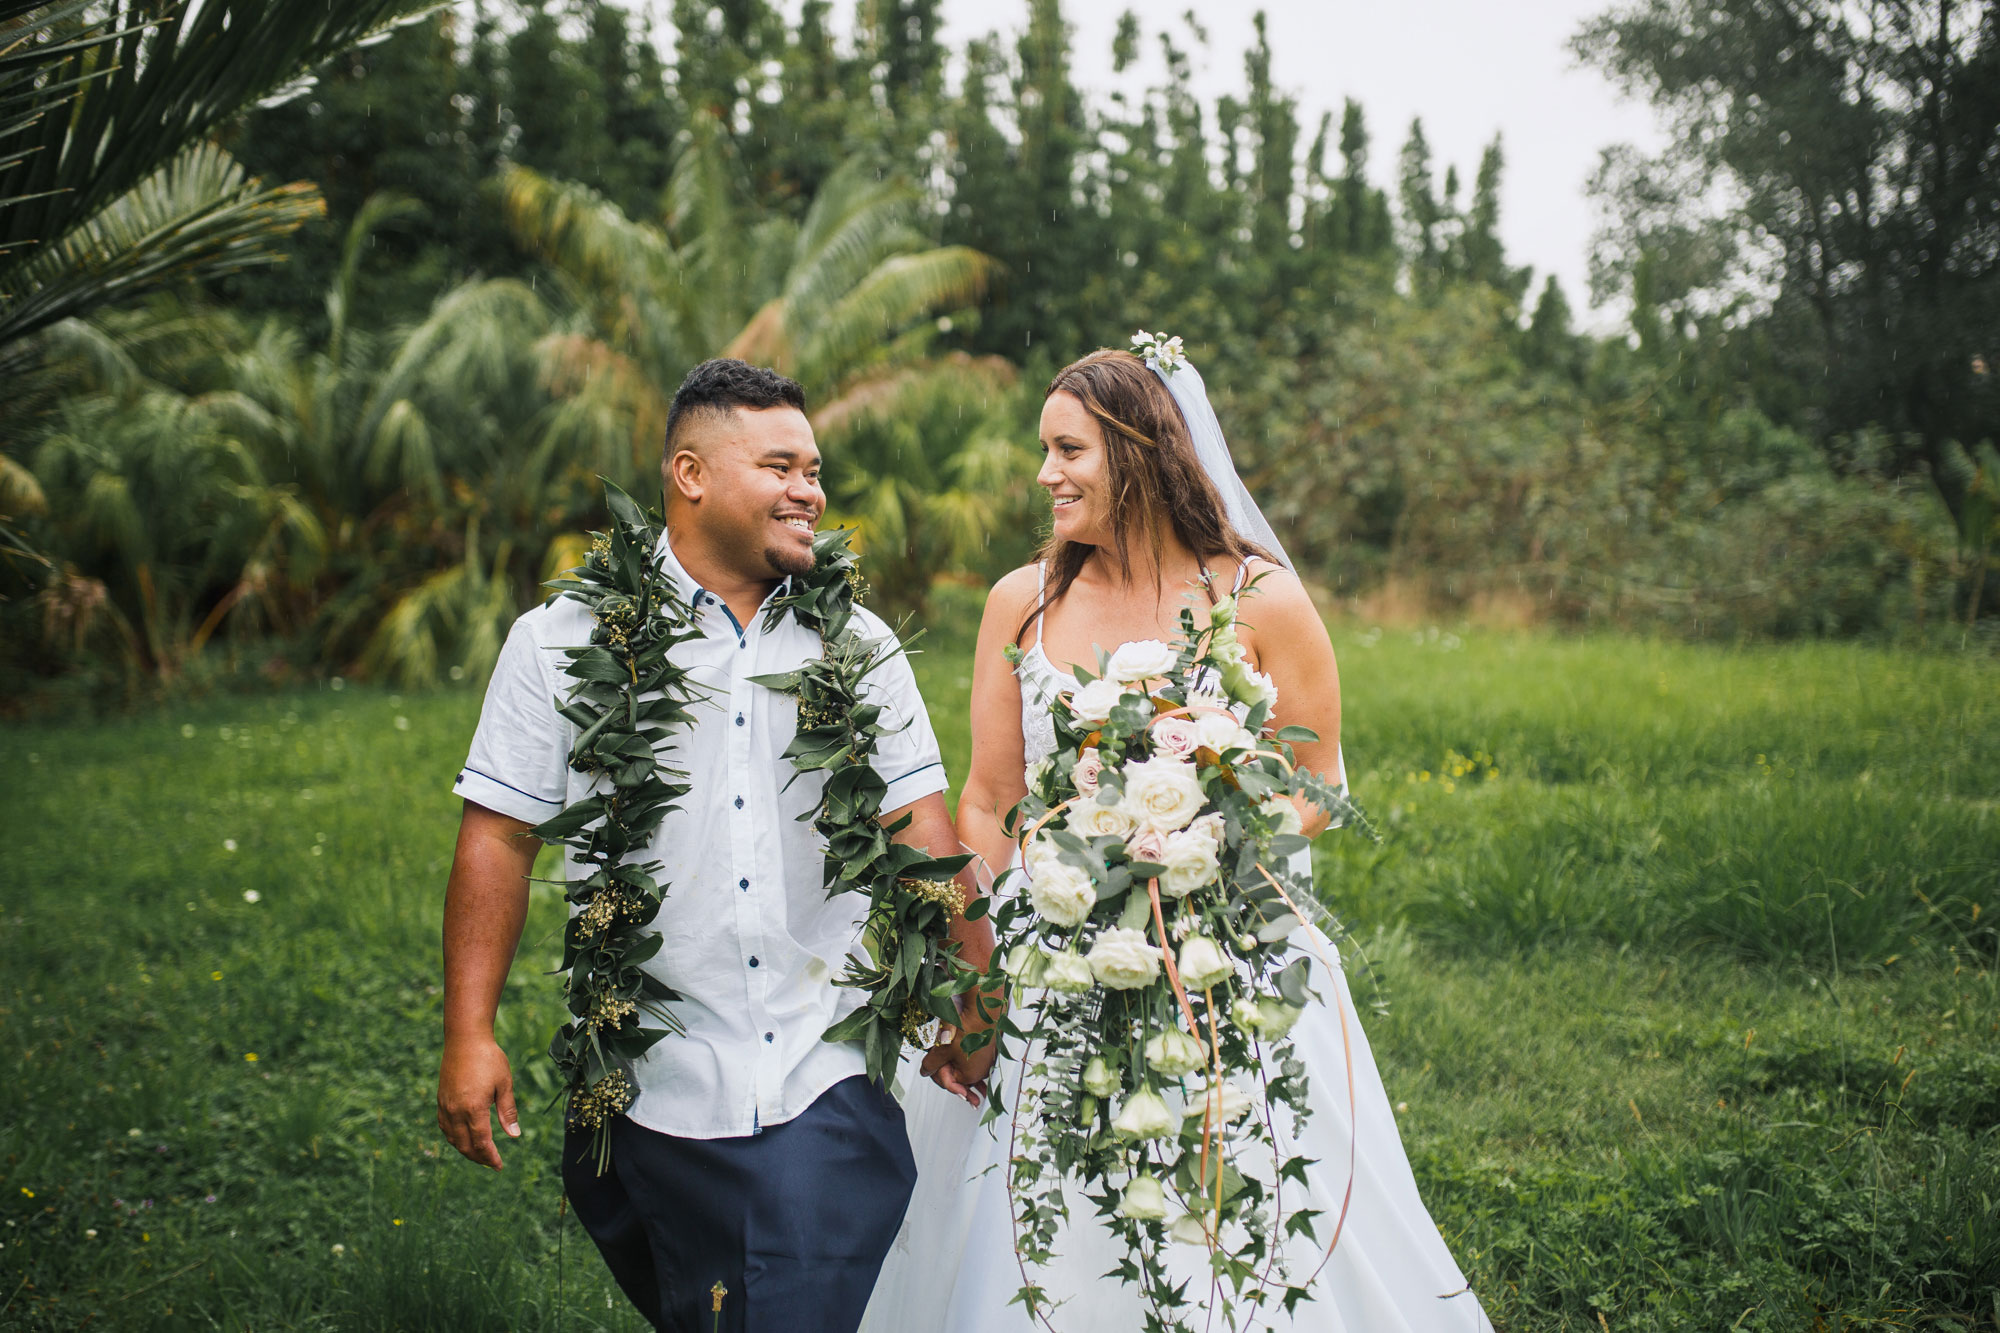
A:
(1166, 359)
(1183, 381)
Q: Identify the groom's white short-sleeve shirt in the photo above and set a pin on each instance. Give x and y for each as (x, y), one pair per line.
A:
(749, 938)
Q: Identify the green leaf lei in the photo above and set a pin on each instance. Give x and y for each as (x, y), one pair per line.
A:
(628, 698)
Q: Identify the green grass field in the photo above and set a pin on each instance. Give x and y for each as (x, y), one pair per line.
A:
(1688, 958)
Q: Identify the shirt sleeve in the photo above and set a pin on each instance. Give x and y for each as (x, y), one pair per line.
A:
(519, 762)
(907, 758)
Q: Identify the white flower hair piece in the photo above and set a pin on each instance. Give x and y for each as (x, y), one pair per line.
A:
(1164, 355)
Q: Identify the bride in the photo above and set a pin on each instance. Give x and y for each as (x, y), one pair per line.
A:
(1148, 512)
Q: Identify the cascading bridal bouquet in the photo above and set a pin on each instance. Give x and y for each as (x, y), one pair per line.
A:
(1161, 905)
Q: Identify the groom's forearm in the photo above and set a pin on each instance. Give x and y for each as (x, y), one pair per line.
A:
(485, 906)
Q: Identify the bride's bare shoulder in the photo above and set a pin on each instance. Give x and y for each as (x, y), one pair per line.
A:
(1014, 595)
(1278, 598)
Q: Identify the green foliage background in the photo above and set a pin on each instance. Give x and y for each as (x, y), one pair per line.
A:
(538, 215)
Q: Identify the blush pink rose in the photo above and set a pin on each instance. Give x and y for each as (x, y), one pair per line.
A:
(1088, 766)
(1177, 736)
(1147, 845)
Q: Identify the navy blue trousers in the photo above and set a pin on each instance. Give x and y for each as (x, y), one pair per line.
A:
(794, 1221)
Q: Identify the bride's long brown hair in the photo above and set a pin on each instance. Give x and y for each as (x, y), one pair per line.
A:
(1157, 485)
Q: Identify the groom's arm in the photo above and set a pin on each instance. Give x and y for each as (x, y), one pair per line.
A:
(930, 829)
(485, 904)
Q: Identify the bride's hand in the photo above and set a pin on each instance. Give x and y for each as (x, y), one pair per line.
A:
(960, 1073)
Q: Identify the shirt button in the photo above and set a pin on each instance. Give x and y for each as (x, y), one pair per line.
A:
(739, 803)
(753, 960)
(770, 1036)
(742, 883)
(739, 719)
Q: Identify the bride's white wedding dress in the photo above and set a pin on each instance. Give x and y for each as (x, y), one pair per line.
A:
(953, 1267)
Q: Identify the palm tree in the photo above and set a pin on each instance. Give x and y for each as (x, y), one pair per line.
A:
(106, 187)
(844, 298)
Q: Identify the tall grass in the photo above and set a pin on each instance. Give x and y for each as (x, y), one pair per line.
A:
(1681, 1046)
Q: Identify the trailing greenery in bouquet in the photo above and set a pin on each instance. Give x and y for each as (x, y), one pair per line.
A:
(1160, 910)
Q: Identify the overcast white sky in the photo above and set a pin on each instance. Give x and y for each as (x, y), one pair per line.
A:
(1468, 67)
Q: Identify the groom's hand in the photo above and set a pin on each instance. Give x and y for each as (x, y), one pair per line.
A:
(958, 1072)
(474, 1080)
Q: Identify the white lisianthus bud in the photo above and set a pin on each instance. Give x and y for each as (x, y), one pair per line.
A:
(1223, 612)
(1190, 859)
(1099, 1078)
(1189, 1229)
(1162, 793)
(1143, 1200)
(1093, 703)
(1248, 1015)
(1145, 1116)
(1062, 895)
(1259, 688)
(1282, 810)
(1174, 1053)
(1032, 776)
(1088, 819)
(1203, 963)
(1141, 660)
(1068, 974)
(1089, 765)
(1279, 1018)
(1230, 1102)
(1223, 647)
(1176, 736)
(1124, 959)
(1026, 964)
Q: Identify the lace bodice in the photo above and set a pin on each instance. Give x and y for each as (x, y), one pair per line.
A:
(1041, 681)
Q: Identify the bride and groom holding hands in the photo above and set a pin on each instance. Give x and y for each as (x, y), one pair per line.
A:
(758, 1179)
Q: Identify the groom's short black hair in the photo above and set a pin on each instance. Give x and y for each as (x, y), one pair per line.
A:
(724, 384)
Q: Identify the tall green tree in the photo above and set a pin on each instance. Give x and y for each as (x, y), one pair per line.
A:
(1857, 142)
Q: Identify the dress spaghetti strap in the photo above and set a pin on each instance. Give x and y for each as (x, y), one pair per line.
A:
(1041, 608)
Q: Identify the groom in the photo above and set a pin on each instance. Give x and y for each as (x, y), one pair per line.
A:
(758, 1167)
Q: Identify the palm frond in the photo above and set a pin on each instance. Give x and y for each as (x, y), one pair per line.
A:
(200, 214)
(896, 293)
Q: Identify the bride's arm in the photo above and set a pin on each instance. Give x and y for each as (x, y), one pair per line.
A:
(1288, 643)
(994, 781)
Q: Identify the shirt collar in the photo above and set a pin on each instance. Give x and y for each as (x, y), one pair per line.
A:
(691, 592)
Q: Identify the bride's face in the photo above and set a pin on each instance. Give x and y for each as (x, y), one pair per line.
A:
(1074, 471)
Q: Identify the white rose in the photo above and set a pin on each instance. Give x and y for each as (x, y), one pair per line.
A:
(1147, 845)
(1143, 1200)
(1145, 1116)
(1174, 1053)
(1176, 736)
(1124, 959)
(1190, 861)
(1062, 894)
(1203, 963)
(1068, 973)
(1099, 1078)
(1091, 820)
(1211, 826)
(1140, 660)
(1284, 812)
(1221, 732)
(1189, 1229)
(1231, 1103)
(1089, 765)
(1093, 703)
(1162, 793)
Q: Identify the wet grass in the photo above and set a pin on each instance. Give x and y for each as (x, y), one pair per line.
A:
(1691, 1003)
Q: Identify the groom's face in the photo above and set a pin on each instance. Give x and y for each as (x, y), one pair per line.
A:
(750, 478)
